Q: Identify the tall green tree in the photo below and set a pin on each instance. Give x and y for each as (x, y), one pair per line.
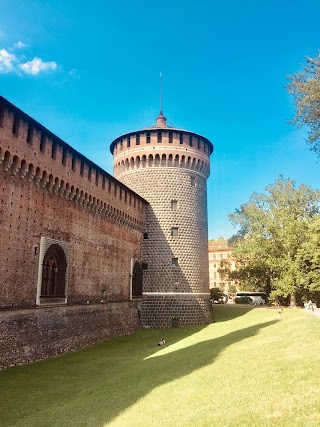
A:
(273, 226)
(309, 259)
(305, 88)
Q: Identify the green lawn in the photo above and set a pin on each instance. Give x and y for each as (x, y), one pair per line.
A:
(251, 368)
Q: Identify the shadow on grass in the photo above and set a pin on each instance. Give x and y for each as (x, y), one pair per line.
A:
(94, 386)
(225, 312)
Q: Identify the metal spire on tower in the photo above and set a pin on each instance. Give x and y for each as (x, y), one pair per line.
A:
(161, 120)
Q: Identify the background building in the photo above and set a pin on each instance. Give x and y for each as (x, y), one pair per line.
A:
(220, 250)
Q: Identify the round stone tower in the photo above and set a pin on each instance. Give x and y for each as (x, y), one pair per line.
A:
(169, 168)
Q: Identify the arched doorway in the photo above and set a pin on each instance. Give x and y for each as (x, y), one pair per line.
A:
(137, 277)
(53, 282)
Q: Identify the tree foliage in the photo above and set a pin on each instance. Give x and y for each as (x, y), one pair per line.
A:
(273, 239)
(305, 88)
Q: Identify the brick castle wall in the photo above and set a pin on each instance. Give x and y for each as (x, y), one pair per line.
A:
(35, 334)
(50, 191)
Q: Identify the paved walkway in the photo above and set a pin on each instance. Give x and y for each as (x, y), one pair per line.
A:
(315, 312)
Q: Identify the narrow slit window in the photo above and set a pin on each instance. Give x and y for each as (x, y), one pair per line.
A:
(145, 236)
(54, 150)
(64, 157)
(170, 137)
(148, 137)
(15, 125)
(181, 138)
(174, 232)
(138, 139)
(174, 262)
(159, 137)
(128, 142)
(42, 142)
(174, 205)
(30, 135)
(73, 163)
(1, 115)
(81, 168)
(89, 173)
(193, 181)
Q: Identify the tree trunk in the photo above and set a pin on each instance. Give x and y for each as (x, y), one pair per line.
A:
(293, 300)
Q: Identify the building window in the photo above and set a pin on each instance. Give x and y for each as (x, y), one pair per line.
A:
(81, 168)
(53, 150)
(64, 157)
(148, 137)
(214, 265)
(174, 205)
(175, 262)
(42, 142)
(159, 137)
(181, 138)
(138, 139)
(190, 140)
(15, 125)
(128, 142)
(174, 232)
(170, 137)
(121, 144)
(145, 236)
(54, 272)
(1, 115)
(73, 163)
(221, 256)
(193, 181)
(30, 134)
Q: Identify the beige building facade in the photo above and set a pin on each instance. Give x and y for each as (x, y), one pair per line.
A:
(220, 250)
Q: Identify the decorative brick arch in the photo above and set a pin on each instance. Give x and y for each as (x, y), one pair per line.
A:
(53, 283)
(53, 271)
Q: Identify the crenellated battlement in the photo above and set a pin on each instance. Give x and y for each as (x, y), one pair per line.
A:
(161, 147)
(32, 152)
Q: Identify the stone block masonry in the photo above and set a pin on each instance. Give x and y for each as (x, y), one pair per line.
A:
(169, 167)
(35, 334)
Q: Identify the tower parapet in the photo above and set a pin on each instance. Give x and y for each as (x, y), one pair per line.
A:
(169, 167)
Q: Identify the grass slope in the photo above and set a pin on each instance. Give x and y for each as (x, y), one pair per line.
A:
(251, 368)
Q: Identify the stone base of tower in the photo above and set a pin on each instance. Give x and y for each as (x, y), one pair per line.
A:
(169, 311)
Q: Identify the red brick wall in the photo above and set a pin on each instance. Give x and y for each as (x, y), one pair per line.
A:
(99, 217)
(34, 334)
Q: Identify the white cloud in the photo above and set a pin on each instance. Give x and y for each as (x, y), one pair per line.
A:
(18, 64)
(19, 45)
(37, 66)
(7, 61)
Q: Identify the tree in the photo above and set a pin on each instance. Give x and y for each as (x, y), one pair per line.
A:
(305, 88)
(309, 259)
(273, 228)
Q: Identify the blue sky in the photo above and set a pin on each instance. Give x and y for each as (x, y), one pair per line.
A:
(89, 71)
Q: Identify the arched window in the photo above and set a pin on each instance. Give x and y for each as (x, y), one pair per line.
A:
(137, 280)
(54, 272)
